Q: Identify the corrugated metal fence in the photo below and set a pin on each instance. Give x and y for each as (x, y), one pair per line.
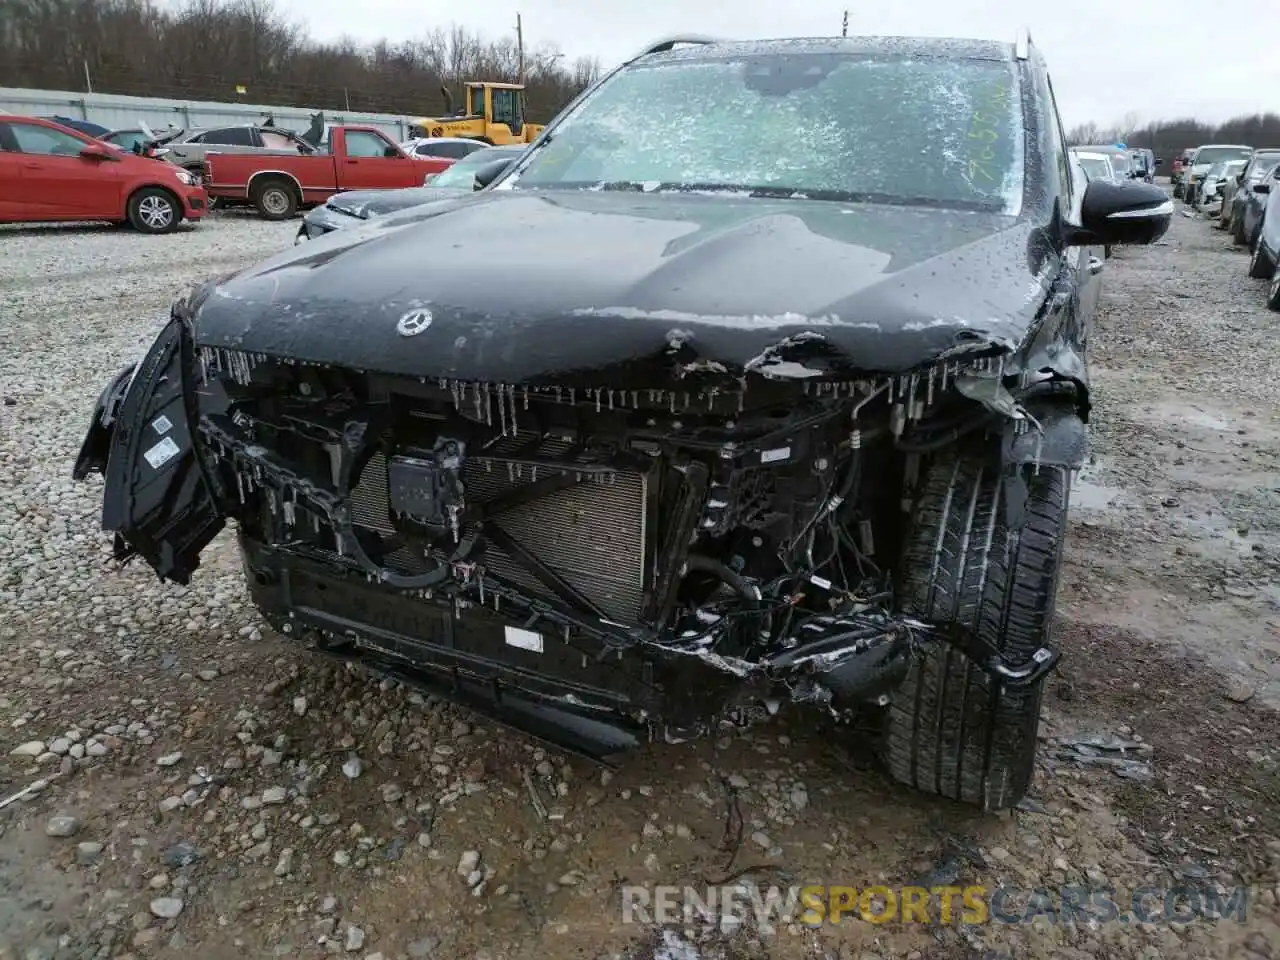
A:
(120, 112)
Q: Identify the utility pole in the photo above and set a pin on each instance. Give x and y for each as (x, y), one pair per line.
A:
(519, 50)
(844, 29)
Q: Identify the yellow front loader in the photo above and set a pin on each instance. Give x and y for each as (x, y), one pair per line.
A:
(493, 113)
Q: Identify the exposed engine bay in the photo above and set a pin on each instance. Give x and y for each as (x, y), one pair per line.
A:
(617, 555)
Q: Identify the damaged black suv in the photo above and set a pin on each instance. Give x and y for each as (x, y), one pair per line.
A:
(760, 379)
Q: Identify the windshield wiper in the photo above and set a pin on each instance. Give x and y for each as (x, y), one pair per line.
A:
(773, 192)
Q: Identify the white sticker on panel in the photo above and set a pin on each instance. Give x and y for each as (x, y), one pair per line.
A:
(162, 424)
(524, 639)
(162, 453)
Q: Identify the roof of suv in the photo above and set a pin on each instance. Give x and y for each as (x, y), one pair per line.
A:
(944, 48)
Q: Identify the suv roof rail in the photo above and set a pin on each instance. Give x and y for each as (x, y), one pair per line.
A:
(666, 43)
(1022, 48)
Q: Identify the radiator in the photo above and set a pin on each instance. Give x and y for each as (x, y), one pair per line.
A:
(592, 534)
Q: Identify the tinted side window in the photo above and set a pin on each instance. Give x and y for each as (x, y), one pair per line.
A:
(231, 137)
(1062, 160)
(455, 150)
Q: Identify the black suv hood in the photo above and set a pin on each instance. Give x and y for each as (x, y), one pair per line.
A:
(523, 286)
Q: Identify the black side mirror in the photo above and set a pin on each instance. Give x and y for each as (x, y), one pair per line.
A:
(1129, 212)
(1158, 161)
(490, 172)
(1262, 188)
(392, 152)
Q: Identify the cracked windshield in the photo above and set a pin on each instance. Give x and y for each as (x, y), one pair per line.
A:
(825, 124)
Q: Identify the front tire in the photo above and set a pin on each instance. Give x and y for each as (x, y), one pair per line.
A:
(1237, 232)
(951, 730)
(1273, 292)
(154, 210)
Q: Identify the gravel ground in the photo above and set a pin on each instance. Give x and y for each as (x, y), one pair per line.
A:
(205, 788)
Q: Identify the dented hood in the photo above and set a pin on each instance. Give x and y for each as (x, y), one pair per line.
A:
(520, 286)
(376, 203)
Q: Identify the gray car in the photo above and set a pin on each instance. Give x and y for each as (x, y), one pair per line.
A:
(189, 149)
(1249, 223)
(356, 206)
(1205, 157)
(1241, 217)
(1266, 250)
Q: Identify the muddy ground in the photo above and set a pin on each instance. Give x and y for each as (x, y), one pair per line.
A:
(210, 791)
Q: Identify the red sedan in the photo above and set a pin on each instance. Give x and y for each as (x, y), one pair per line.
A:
(51, 172)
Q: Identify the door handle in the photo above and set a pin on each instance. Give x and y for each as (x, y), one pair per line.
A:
(1095, 266)
(349, 160)
(31, 165)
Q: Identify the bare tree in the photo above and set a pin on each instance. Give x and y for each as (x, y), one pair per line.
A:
(205, 49)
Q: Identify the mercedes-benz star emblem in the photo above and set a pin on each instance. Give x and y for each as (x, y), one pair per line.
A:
(414, 322)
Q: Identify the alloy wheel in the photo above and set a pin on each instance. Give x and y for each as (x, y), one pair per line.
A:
(156, 212)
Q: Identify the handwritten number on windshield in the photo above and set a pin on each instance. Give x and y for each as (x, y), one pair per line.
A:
(983, 134)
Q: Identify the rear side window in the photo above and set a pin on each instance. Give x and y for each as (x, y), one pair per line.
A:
(454, 150)
(230, 137)
(277, 141)
(44, 141)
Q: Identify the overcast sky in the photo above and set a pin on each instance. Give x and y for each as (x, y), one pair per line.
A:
(1107, 57)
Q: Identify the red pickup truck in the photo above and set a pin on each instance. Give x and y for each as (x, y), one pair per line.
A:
(354, 158)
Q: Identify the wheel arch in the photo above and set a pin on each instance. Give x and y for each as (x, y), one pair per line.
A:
(263, 176)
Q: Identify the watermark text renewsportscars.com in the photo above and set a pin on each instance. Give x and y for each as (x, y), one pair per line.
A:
(768, 906)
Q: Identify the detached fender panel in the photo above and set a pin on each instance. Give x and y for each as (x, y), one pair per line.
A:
(1062, 443)
(157, 499)
(1063, 440)
(97, 442)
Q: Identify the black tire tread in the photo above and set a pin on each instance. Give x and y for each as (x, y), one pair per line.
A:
(1273, 295)
(950, 730)
(1260, 265)
(1237, 231)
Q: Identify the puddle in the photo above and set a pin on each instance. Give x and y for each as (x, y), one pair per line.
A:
(1089, 494)
(1217, 527)
(1192, 415)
